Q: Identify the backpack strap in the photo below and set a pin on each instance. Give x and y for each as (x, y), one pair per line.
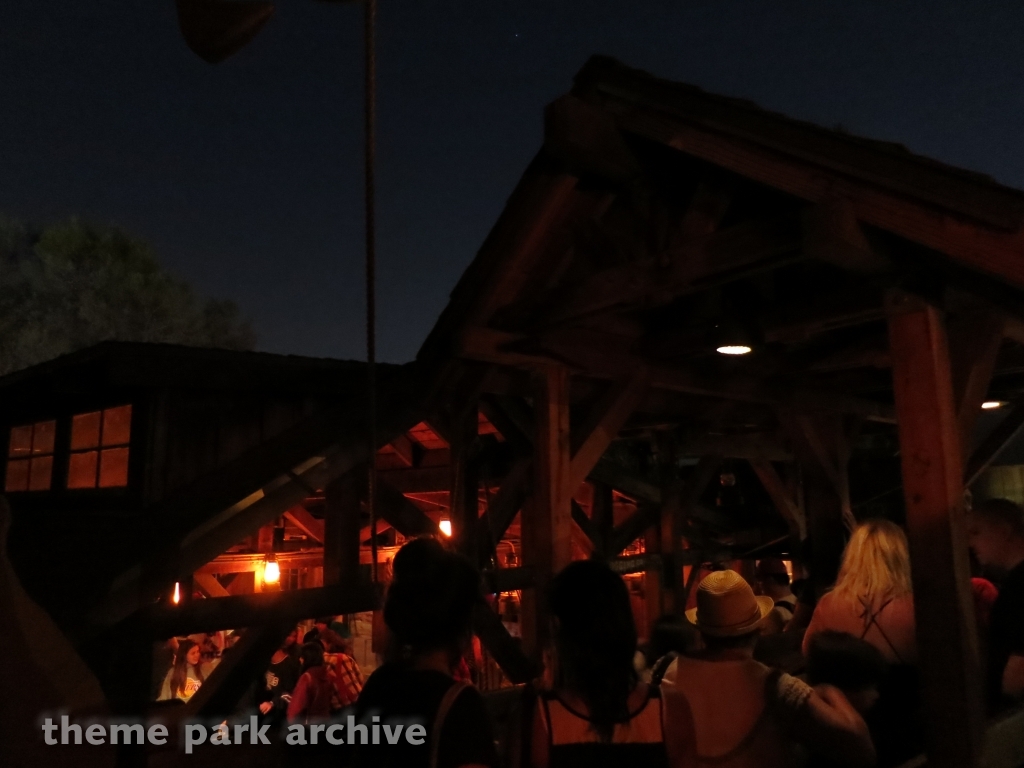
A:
(661, 667)
(447, 701)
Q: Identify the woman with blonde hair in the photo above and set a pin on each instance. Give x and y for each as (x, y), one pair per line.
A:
(873, 600)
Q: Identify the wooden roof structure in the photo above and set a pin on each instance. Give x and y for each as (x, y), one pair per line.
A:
(881, 295)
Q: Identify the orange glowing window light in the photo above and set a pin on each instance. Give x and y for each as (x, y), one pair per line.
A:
(446, 526)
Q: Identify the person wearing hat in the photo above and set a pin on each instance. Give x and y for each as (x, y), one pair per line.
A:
(773, 581)
(724, 708)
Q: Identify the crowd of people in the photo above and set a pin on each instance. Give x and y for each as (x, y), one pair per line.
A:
(760, 674)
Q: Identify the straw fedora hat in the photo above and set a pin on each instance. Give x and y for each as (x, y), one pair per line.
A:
(727, 606)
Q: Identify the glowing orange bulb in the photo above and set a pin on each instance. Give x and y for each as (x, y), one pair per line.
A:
(176, 598)
(446, 526)
(271, 571)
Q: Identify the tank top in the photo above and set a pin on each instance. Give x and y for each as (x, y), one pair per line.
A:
(573, 743)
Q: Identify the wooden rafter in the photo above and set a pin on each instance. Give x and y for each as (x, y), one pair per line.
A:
(602, 356)
(781, 498)
(603, 425)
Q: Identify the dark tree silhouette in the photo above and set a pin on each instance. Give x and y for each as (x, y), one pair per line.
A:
(70, 285)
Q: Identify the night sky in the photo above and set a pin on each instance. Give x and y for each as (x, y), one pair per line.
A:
(247, 176)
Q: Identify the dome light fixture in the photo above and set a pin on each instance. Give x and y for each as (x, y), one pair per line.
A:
(734, 349)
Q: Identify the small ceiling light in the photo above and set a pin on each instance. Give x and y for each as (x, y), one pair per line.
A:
(734, 349)
(271, 570)
(988, 405)
(176, 597)
(446, 527)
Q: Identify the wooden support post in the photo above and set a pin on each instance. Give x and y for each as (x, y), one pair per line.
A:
(341, 530)
(465, 480)
(933, 487)
(547, 519)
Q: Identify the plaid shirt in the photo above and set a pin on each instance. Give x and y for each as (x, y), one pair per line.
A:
(348, 679)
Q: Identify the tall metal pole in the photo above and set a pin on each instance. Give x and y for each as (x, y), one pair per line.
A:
(371, 276)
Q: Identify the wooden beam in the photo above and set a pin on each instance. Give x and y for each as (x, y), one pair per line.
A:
(505, 649)
(342, 529)
(406, 517)
(603, 425)
(465, 479)
(236, 611)
(221, 692)
(585, 524)
(833, 235)
(716, 257)
(306, 523)
(1000, 437)
(602, 355)
(503, 507)
(226, 505)
(623, 480)
(249, 562)
(780, 496)
(547, 519)
(517, 435)
(995, 250)
(632, 528)
(587, 141)
(404, 449)
(208, 583)
(933, 488)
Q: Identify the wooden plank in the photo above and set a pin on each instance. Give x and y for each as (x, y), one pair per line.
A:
(236, 611)
(933, 488)
(779, 494)
(1000, 437)
(623, 480)
(342, 530)
(306, 523)
(603, 425)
